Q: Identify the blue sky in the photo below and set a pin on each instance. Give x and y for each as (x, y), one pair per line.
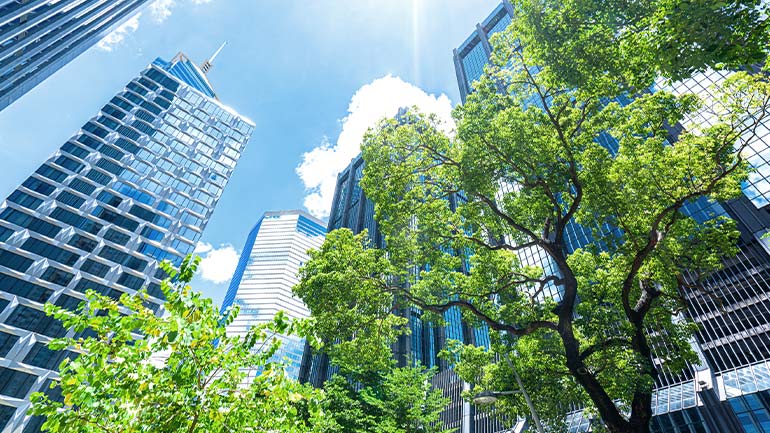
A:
(312, 75)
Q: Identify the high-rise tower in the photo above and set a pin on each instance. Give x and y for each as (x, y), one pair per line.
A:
(267, 270)
(733, 309)
(38, 37)
(135, 185)
(353, 210)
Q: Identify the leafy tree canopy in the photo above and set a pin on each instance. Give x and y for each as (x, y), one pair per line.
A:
(552, 145)
(398, 400)
(176, 373)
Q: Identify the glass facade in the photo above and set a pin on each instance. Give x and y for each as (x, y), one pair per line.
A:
(38, 37)
(261, 286)
(473, 54)
(135, 185)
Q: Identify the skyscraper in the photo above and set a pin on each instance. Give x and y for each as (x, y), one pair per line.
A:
(733, 308)
(38, 37)
(135, 185)
(353, 210)
(267, 270)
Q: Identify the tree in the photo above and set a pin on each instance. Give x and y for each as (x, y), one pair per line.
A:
(120, 383)
(635, 42)
(535, 160)
(398, 400)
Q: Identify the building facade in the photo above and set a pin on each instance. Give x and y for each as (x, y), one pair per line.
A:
(728, 391)
(38, 37)
(267, 270)
(135, 185)
(353, 210)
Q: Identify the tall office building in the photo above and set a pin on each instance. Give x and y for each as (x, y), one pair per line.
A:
(733, 382)
(135, 185)
(353, 210)
(38, 37)
(274, 251)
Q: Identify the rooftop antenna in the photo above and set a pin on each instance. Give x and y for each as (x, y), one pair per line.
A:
(208, 64)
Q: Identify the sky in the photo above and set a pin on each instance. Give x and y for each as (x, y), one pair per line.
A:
(312, 75)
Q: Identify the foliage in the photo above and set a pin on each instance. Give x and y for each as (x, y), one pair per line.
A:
(631, 43)
(399, 400)
(536, 163)
(121, 384)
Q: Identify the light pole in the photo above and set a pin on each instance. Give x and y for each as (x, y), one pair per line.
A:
(490, 397)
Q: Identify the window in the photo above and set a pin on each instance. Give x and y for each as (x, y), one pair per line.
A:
(95, 268)
(112, 217)
(41, 356)
(14, 261)
(126, 145)
(84, 284)
(69, 163)
(167, 207)
(133, 193)
(109, 198)
(131, 281)
(74, 220)
(83, 242)
(70, 199)
(110, 166)
(7, 341)
(121, 103)
(122, 258)
(151, 234)
(113, 235)
(23, 220)
(95, 129)
(80, 185)
(36, 321)
(38, 185)
(75, 150)
(150, 216)
(153, 289)
(89, 141)
(68, 302)
(54, 253)
(191, 220)
(18, 287)
(182, 247)
(25, 200)
(57, 276)
(15, 383)
(6, 413)
(51, 173)
(112, 152)
(98, 177)
(157, 253)
(5, 233)
(113, 112)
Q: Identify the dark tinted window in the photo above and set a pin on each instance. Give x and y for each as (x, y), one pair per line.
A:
(15, 383)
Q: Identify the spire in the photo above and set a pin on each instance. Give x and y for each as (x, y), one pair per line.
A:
(208, 64)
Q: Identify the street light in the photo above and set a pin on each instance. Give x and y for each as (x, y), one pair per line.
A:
(490, 397)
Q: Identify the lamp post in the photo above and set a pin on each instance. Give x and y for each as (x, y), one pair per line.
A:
(490, 397)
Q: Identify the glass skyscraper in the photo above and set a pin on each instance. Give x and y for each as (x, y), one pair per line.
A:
(38, 37)
(267, 270)
(353, 210)
(135, 185)
(733, 309)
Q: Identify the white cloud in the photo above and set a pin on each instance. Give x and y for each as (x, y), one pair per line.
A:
(161, 9)
(217, 264)
(109, 42)
(379, 99)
